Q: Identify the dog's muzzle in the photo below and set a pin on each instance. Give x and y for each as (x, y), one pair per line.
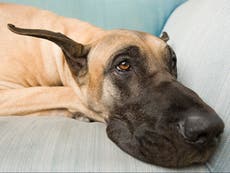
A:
(167, 126)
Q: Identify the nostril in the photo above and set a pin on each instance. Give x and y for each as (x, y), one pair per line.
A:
(196, 137)
(180, 128)
(201, 138)
(203, 135)
(200, 128)
(196, 132)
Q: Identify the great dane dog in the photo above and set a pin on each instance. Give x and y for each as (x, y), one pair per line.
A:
(126, 79)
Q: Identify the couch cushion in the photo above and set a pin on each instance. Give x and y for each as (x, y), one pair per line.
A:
(200, 34)
(59, 144)
(147, 15)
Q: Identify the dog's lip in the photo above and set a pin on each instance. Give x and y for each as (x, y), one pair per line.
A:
(200, 154)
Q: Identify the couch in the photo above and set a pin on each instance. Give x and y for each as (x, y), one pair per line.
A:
(200, 35)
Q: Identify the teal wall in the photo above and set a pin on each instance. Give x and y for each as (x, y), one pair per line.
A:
(144, 15)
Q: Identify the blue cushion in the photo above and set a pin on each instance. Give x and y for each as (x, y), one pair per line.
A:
(144, 15)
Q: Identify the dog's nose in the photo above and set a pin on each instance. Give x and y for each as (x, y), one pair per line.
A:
(201, 128)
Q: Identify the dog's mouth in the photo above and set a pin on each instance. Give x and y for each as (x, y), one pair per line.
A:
(153, 147)
(189, 153)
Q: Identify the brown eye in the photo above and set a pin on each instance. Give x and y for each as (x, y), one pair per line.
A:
(123, 66)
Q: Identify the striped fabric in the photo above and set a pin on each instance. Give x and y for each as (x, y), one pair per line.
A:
(200, 35)
(59, 144)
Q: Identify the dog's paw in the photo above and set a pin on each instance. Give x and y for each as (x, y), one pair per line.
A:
(81, 117)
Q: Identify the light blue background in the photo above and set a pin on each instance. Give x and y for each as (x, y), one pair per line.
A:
(144, 15)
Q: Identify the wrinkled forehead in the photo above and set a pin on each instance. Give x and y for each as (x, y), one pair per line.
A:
(150, 47)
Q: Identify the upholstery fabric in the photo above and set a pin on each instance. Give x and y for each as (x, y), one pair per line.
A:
(144, 15)
(200, 34)
(59, 144)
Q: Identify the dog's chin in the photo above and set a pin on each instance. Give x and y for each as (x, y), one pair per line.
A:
(157, 149)
(189, 155)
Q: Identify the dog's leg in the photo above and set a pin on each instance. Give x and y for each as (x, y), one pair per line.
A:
(62, 112)
(30, 100)
(53, 112)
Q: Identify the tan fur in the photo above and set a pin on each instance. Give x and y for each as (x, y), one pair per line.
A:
(34, 75)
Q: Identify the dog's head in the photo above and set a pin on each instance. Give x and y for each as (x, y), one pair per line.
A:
(131, 76)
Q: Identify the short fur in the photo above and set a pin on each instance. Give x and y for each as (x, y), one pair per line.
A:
(148, 113)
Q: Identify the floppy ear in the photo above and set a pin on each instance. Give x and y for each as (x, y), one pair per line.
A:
(164, 36)
(75, 53)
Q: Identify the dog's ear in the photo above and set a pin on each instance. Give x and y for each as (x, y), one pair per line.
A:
(164, 36)
(75, 53)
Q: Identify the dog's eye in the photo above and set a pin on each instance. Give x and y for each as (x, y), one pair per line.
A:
(123, 66)
(174, 60)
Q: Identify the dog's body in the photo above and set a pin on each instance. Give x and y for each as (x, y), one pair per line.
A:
(37, 68)
(126, 79)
